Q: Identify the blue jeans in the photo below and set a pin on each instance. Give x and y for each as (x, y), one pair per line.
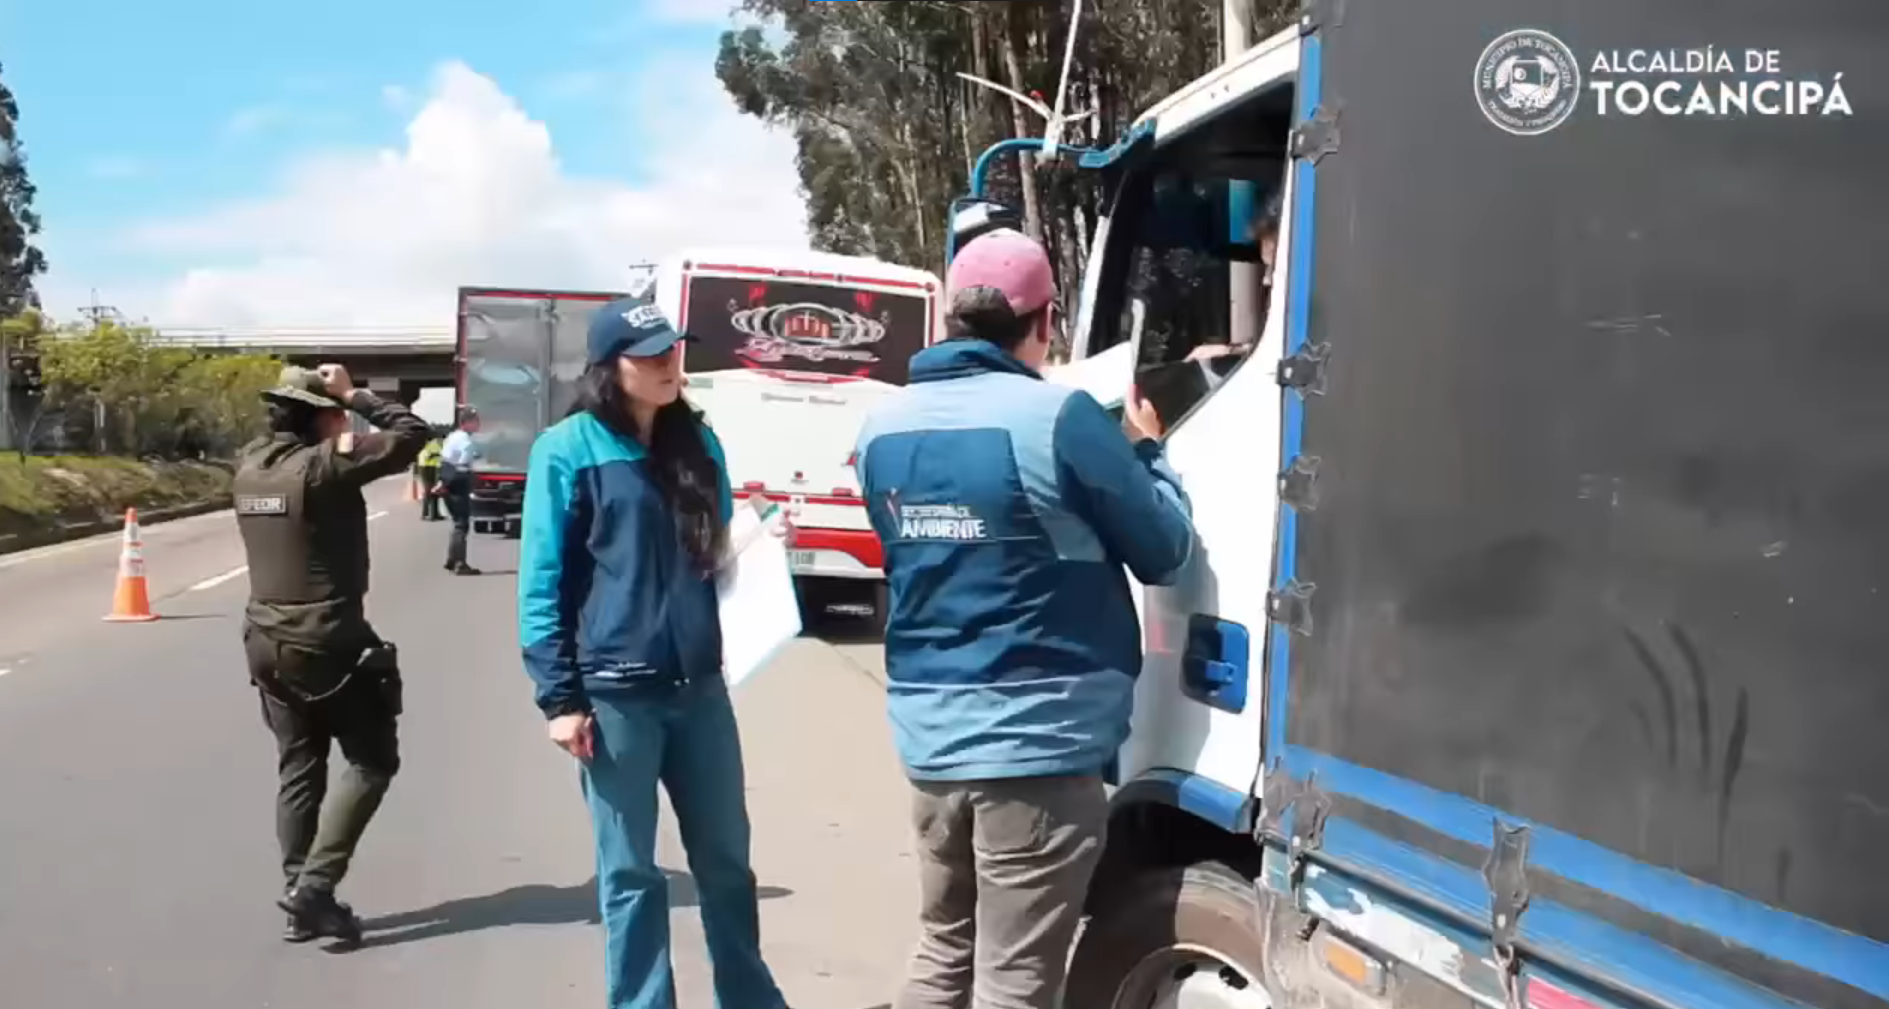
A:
(688, 741)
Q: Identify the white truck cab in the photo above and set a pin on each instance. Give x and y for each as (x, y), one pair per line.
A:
(1152, 302)
(1531, 654)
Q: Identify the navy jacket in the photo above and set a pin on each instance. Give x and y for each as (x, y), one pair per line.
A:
(1008, 507)
(608, 596)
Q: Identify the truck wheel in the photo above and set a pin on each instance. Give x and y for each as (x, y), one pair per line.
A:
(1173, 937)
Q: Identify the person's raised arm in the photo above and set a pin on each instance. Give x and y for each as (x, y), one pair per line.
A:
(1127, 492)
(363, 459)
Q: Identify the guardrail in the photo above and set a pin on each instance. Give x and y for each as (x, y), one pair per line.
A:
(390, 339)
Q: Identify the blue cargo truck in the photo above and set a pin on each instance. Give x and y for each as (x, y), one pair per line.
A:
(1536, 652)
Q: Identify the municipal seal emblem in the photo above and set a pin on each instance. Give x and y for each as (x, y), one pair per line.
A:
(1528, 82)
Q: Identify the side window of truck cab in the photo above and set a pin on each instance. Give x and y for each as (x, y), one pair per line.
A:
(1194, 236)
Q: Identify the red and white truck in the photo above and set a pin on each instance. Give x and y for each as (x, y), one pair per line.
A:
(790, 351)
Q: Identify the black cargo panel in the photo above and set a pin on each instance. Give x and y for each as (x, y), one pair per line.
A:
(781, 325)
(1603, 530)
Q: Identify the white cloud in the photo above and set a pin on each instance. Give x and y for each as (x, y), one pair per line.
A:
(476, 196)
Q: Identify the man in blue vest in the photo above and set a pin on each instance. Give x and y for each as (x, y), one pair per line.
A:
(1009, 507)
(455, 476)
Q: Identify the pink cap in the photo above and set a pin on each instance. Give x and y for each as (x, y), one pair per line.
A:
(1010, 262)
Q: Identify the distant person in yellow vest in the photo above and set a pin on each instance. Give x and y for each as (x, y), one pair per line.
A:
(427, 469)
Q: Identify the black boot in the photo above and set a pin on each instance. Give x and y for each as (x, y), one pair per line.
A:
(315, 910)
(293, 931)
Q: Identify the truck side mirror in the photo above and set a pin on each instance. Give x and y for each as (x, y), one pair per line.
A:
(972, 216)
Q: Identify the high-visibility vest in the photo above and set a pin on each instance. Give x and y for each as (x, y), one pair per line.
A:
(430, 455)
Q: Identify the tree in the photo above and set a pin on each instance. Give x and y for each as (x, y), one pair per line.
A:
(888, 131)
(20, 261)
(224, 407)
(20, 339)
(155, 399)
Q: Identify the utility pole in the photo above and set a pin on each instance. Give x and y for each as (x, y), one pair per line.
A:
(1243, 279)
(99, 313)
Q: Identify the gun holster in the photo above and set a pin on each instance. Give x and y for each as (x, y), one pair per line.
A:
(380, 665)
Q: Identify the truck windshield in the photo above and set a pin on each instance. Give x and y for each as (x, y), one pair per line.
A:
(750, 323)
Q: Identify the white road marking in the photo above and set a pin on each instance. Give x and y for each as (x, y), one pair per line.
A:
(377, 515)
(210, 583)
(4, 671)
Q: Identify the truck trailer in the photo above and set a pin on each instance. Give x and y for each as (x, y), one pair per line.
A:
(1534, 653)
(520, 355)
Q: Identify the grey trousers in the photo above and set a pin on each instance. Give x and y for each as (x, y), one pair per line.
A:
(1003, 867)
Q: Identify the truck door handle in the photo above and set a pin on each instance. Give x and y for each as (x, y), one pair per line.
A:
(1214, 666)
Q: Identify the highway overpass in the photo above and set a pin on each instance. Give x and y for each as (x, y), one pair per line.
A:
(400, 360)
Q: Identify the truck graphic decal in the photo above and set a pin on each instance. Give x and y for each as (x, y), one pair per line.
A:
(741, 323)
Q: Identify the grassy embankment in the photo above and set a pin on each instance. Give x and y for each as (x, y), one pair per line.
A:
(47, 498)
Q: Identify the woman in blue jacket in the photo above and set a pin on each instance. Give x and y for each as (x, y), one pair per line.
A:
(627, 507)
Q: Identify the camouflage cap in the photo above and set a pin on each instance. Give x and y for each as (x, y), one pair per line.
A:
(302, 385)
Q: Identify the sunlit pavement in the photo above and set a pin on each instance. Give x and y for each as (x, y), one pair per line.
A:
(137, 859)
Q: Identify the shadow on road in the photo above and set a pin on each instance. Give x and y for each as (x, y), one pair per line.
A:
(536, 904)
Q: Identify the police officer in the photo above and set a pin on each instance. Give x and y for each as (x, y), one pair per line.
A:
(324, 676)
(428, 472)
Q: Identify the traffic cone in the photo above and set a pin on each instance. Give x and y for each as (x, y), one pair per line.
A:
(413, 491)
(131, 601)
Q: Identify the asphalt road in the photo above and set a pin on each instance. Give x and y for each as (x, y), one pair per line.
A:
(137, 859)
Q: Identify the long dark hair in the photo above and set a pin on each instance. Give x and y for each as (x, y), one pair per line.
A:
(679, 464)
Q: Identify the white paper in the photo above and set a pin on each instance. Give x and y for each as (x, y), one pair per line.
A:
(760, 612)
(1106, 376)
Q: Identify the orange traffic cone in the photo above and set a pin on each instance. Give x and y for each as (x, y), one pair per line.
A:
(413, 491)
(131, 602)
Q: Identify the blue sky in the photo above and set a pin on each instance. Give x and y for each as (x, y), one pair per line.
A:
(158, 132)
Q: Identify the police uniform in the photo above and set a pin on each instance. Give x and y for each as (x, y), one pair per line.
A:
(322, 673)
(429, 481)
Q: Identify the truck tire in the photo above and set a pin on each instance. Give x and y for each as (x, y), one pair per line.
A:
(1173, 936)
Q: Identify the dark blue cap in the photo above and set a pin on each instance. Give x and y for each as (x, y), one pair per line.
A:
(630, 327)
